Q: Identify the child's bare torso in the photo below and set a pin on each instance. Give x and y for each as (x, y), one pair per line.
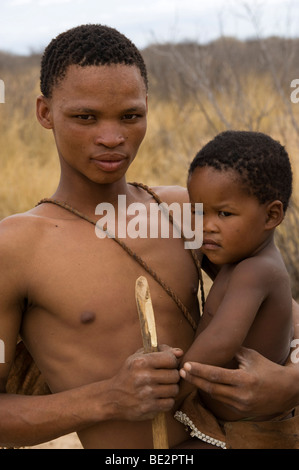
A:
(270, 332)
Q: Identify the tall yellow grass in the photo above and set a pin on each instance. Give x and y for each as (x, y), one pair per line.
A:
(177, 129)
(29, 168)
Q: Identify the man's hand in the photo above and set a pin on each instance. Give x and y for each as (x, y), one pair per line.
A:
(259, 387)
(145, 385)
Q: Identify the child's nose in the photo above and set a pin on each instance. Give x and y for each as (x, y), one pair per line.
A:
(209, 224)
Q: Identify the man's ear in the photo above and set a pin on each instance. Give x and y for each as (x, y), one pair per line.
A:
(43, 112)
(275, 214)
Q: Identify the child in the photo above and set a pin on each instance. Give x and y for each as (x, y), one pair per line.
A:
(244, 180)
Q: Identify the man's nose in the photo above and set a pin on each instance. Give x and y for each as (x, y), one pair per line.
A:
(109, 135)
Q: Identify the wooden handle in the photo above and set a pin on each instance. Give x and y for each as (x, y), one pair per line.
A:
(150, 344)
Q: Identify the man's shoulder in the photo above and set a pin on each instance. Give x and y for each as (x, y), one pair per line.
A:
(13, 224)
(19, 229)
(170, 194)
(18, 221)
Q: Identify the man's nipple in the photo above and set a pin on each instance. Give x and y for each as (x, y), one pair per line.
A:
(87, 317)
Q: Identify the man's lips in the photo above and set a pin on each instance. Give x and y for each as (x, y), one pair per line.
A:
(109, 162)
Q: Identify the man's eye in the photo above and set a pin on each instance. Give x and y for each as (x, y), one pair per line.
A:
(130, 117)
(85, 117)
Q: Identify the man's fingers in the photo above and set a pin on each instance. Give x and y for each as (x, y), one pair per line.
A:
(213, 381)
(166, 358)
(248, 388)
(177, 352)
(196, 371)
(165, 391)
(170, 376)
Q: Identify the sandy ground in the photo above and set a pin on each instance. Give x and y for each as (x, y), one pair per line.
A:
(70, 441)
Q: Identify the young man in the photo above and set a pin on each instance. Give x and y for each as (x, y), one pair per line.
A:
(70, 294)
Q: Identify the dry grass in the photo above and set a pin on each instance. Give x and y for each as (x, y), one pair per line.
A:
(29, 166)
(177, 128)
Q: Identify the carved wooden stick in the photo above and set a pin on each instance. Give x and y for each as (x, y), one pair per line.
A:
(150, 344)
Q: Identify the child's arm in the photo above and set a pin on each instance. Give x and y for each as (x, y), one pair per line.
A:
(226, 332)
(258, 388)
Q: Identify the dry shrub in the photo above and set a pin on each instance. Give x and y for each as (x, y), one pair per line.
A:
(287, 240)
(195, 92)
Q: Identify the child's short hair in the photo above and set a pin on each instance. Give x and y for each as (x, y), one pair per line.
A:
(84, 45)
(262, 163)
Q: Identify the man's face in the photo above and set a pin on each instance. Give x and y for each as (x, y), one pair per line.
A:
(98, 117)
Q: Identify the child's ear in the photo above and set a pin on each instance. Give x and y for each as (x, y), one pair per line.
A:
(275, 214)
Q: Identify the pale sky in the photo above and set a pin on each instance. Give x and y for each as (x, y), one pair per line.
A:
(27, 25)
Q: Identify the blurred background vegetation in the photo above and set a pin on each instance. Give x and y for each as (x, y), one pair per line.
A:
(196, 91)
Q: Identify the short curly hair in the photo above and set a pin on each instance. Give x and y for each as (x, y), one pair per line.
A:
(261, 162)
(90, 44)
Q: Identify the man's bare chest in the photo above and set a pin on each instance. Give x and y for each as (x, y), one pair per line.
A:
(73, 270)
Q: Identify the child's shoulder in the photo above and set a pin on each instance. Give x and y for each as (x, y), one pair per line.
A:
(266, 267)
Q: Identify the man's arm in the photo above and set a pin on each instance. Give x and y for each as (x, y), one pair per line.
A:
(259, 387)
(145, 385)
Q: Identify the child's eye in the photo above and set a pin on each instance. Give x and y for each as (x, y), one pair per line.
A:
(224, 214)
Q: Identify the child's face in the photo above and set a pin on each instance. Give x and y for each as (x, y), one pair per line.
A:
(233, 221)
